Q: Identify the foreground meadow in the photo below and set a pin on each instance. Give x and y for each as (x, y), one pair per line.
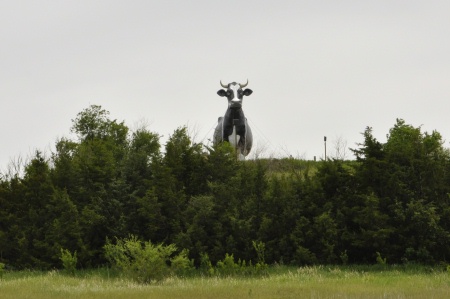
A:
(305, 282)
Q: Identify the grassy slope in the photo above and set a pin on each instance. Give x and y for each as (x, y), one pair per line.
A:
(307, 282)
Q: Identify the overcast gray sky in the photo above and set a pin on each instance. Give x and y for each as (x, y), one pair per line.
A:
(316, 68)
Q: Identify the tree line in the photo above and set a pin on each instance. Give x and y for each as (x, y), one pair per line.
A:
(392, 202)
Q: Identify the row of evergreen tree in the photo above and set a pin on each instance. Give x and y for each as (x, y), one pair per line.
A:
(392, 200)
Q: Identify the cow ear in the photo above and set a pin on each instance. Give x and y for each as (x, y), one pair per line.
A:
(222, 93)
(247, 92)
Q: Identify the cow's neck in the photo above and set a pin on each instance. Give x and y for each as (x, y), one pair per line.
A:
(235, 113)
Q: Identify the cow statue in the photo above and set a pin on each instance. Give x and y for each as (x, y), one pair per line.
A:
(233, 126)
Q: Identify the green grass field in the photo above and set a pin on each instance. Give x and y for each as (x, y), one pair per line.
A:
(305, 282)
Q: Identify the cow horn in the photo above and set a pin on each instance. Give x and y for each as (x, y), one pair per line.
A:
(243, 85)
(224, 86)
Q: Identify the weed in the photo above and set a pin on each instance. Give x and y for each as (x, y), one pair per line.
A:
(206, 266)
(145, 262)
(227, 266)
(344, 257)
(380, 260)
(69, 261)
(2, 270)
(260, 249)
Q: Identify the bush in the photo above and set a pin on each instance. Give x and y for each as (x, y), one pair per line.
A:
(344, 257)
(228, 266)
(380, 259)
(180, 264)
(206, 266)
(260, 249)
(145, 262)
(2, 270)
(304, 256)
(69, 261)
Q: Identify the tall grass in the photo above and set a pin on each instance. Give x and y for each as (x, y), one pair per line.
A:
(282, 282)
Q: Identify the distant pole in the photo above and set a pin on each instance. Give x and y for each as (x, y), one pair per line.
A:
(325, 143)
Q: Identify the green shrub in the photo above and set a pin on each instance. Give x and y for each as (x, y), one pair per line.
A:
(344, 257)
(260, 249)
(2, 270)
(380, 260)
(206, 266)
(228, 266)
(145, 262)
(304, 256)
(180, 264)
(69, 261)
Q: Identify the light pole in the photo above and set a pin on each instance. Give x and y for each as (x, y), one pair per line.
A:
(325, 143)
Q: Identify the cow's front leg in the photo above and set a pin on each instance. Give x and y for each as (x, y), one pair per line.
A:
(227, 131)
(240, 130)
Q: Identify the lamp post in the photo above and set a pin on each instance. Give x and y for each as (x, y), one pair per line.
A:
(325, 143)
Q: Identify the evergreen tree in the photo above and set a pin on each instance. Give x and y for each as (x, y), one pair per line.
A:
(62, 230)
(142, 209)
(186, 162)
(38, 192)
(100, 190)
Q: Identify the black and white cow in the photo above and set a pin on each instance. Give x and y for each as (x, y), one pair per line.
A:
(233, 125)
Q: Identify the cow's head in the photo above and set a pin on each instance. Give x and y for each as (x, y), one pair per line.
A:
(234, 93)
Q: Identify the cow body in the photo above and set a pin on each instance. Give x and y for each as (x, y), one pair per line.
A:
(233, 126)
